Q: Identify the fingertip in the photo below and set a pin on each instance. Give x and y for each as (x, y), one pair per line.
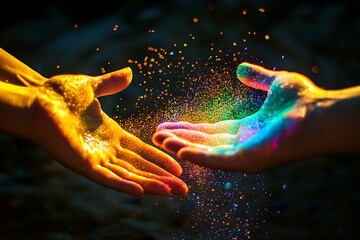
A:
(177, 170)
(255, 76)
(159, 189)
(185, 190)
(244, 73)
(125, 75)
(158, 138)
(181, 191)
(135, 189)
(166, 191)
(128, 73)
(186, 154)
(173, 144)
(177, 186)
(243, 70)
(113, 82)
(131, 188)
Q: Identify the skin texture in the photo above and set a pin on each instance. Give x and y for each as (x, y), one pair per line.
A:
(63, 116)
(298, 120)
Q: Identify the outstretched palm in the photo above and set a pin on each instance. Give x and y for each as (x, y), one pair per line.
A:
(271, 136)
(86, 140)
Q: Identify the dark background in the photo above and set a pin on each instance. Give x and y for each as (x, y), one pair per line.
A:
(317, 198)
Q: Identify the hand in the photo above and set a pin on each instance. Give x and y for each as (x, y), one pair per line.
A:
(281, 131)
(72, 127)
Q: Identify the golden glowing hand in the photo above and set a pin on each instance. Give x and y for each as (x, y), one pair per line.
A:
(297, 120)
(73, 128)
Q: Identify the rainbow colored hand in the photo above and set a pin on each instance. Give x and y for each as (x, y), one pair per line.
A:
(273, 135)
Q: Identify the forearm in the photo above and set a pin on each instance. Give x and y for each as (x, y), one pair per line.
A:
(16, 115)
(14, 71)
(339, 120)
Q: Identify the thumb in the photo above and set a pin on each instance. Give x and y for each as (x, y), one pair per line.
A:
(113, 82)
(256, 76)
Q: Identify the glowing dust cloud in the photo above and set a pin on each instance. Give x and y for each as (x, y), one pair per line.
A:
(220, 205)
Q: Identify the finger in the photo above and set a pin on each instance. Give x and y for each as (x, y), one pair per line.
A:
(176, 185)
(256, 76)
(108, 179)
(150, 185)
(171, 143)
(159, 137)
(218, 159)
(139, 164)
(203, 127)
(229, 126)
(174, 144)
(112, 82)
(150, 153)
(195, 137)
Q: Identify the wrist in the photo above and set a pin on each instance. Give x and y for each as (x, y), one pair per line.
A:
(15, 72)
(336, 117)
(16, 109)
